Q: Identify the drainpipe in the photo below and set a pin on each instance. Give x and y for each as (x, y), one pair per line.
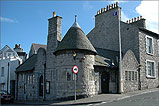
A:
(44, 82)
(8, 78)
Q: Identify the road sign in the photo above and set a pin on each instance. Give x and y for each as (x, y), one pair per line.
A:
(75, 69)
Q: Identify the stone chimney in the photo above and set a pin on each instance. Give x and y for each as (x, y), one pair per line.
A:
(54, 37)
(138, 21)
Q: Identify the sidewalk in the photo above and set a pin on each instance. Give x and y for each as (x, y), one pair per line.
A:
(93, 100)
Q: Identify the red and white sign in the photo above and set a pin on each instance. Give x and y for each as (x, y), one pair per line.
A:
(75, 69)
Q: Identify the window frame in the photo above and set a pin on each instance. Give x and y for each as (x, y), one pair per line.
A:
(148, 76)
(149, 37)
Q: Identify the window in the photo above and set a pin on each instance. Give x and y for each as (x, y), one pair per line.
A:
(91, 74)
(33, 76)
(129, 75)
(52, 75)
(68, 75)
(132, 75)
(56, 75)
(28, 79)
(2, 86)
(23, 77)
(135, 76)
(2, 72)
(24, 88)
(48, 87)
(126, 75)
(149, 45)
(150, 68)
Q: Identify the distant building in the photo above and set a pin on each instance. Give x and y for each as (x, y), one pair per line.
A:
(20, 52)
(48, 73)
(35, 47)
(9, 61)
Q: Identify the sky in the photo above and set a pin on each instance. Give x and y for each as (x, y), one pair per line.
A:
(26, 22)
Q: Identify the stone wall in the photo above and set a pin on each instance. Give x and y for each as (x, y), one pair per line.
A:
(85, 77)
(147, 82)
(105, 34)
(130, 72)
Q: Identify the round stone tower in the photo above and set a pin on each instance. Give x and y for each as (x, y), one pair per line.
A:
(75, 49)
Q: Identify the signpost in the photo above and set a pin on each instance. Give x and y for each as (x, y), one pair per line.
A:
(75, 70)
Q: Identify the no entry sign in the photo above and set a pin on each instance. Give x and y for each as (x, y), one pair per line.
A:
(75, 69)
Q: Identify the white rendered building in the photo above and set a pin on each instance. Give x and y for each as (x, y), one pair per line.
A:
(9, 61)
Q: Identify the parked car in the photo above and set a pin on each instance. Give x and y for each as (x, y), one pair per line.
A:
(6, 97)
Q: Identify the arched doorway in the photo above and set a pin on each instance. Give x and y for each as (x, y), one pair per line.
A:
(41, 86)
(105, 82)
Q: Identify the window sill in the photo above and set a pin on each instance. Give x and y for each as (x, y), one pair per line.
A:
(150, 53)
(151, 77)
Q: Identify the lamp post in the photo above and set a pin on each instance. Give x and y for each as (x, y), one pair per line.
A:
(139, 80)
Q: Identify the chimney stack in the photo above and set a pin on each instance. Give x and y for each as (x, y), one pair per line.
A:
(54, 14)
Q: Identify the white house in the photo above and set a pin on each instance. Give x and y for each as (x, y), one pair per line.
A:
(9, 61)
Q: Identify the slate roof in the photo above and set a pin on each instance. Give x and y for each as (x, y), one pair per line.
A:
(75, 39)
(106, 57)
(28, 65)
(149, 32)
(37, 46)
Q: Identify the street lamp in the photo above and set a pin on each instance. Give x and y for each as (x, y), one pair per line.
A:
(74, 55)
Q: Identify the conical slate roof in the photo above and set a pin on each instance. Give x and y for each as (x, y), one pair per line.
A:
(75, 39)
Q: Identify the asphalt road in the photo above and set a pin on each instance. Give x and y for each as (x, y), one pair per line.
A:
(148, 99)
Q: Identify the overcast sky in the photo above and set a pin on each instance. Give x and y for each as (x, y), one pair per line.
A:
(26, 22)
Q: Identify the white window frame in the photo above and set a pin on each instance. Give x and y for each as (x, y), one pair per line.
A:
(147, 45)
(148, 76)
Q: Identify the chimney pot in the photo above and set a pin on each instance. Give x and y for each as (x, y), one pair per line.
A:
(105, 9)
(117, 4)
(112, 5)
(135, 19)
(54, 14)
(19, 46)
(102, 10)
(16, 46)
(140, 17)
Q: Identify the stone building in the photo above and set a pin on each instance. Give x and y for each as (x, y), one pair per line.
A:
(48, 74)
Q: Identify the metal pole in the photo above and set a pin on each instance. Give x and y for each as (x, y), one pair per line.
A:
(120, 63)
(8, 78)
(75, 86)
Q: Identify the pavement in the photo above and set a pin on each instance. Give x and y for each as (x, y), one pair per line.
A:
(97, 99)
